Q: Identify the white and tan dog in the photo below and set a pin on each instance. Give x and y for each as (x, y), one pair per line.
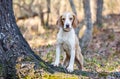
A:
(67, 42)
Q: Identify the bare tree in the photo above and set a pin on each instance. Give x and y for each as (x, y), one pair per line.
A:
(41, 17)
(85, 40)
(99, 12)
(73, 6)
(13, 47)
(48, 8)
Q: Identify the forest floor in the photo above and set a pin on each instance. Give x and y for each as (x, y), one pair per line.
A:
(101, 61)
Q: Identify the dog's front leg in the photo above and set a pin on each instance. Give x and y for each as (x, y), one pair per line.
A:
(57, 59)
(72, 58)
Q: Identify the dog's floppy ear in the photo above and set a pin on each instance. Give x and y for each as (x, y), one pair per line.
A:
(75, 21)
(59, 22)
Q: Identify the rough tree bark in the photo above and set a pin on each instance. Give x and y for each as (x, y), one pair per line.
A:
(85, 40)
(99, 12)
(14, 49)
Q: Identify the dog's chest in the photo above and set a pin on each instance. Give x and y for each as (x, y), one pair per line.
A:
(65, 46)
(66, 39)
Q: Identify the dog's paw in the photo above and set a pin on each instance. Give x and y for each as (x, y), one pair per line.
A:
(55, 64)
(70, 69)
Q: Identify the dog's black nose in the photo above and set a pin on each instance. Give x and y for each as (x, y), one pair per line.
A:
(67, 25)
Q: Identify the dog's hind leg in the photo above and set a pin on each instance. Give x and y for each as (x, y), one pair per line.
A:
(79, 59)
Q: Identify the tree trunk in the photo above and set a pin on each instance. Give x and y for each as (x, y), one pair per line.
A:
(99, 12)
(73, 6)
(14, 50)
(85, 40)
(48, 8)
(42, 18)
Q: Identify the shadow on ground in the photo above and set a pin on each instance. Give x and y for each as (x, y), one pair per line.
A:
(91, 74)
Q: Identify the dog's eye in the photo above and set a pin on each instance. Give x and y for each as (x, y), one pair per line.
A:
(70, 18)
(63, 19)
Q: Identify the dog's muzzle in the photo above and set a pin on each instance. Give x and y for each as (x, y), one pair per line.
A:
(66, 29)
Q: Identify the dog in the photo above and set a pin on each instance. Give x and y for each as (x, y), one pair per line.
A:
(67, 42)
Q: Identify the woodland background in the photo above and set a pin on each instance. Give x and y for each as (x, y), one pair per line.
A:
(37, 22)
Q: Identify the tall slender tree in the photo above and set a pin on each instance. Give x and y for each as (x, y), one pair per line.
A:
(99, 12)
(48, 11)
(85, 40)
(73, 6)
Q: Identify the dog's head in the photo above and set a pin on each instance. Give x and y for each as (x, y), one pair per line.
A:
(67, 21)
